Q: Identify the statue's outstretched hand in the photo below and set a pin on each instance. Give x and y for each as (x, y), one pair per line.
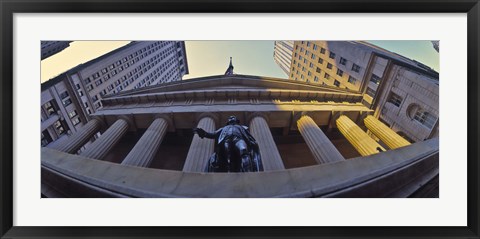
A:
(200, 132)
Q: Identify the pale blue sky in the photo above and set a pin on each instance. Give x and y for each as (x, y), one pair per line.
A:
(207, 58)
(421, 51)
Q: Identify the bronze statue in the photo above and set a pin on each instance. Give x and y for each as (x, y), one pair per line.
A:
(235, 149)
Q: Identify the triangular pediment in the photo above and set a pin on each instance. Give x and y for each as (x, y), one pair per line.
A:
(232, 82)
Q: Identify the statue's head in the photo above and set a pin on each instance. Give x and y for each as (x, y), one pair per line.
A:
(233, 120)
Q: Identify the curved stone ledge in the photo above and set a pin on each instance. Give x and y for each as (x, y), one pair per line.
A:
(359, 177)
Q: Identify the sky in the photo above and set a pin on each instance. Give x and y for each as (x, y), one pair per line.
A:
(212, 57)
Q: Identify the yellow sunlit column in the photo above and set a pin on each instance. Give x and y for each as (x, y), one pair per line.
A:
(359, 139)
(384, 133)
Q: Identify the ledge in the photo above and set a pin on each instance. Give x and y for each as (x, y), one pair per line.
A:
(380, 175)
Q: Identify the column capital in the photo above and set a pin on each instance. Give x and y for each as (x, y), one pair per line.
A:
(168, 118)
(333, 118)
(130, 121)
(252, 115)
(101, 121)
(213, 115)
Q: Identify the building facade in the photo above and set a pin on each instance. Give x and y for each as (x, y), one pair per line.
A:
(76, 94)
(50, 48)
(282, 55)
(375, 72)
(143, 144)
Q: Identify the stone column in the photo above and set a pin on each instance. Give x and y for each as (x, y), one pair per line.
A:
(146, 148)
(271, 159)
(384, 133)
(322, 148)
(200, 149)
(360, 140)
(73, 143)
(100, 148)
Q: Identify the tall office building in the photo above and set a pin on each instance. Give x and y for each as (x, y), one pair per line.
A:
(383, 77)
(436, 45)
(69, 99)
(282, 55)
(50, 48)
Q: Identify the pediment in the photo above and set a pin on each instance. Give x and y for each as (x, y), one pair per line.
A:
(228, 83)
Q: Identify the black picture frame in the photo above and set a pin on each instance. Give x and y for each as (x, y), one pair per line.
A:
(9, 7)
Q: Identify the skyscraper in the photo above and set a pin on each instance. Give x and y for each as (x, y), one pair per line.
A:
(50, 48)
(390, 83)
(282, 55)
(70, 98)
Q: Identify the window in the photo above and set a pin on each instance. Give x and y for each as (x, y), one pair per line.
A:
(98, 82)
(307, 52)
(339, 72)
(329, 66)
(300, 58)
(308, 43)
(49, 108)
(315, 79)
(59, 126)
(318, 70)
(320, 60)
(336, 83)
(395, 99)
(64, 95)
(315, 47)
(327, 76)
(301, 49)
(76, 121)
(343, 61)
(104, 70)
(322, 50)
(305, 60)
(375, 79)
(311, 65)
(77, 86)
(425, 118)
(89, 87)
(309, 73)
(313, 56)
(301, 76)
(355, 68)
(72, 114)
(95, 98)
(352, 80)
(67, 102)
(370, 92)
(332, 55)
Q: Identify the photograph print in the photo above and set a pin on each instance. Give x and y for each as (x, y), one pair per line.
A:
(240, 119)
